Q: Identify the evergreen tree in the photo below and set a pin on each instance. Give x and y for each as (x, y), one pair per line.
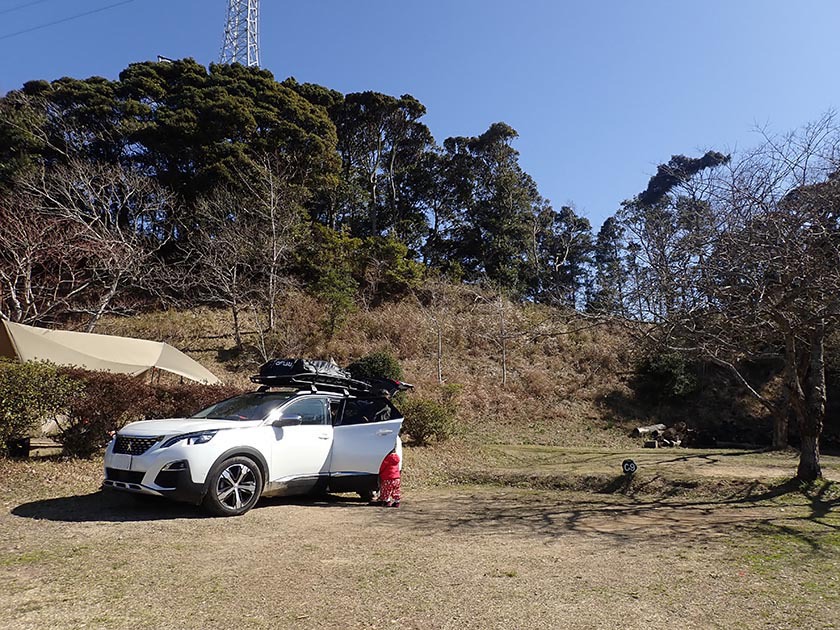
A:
(561, 255)
(497, 200)
(607, 295)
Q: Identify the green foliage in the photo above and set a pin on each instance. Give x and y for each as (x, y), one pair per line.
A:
(211, 122)
(610, 271)
(380, 138)
(492, 232)
(20, 142)
(337, 291)
(30, 393)
(666, 376)
(327, 264)
(362, 168)
(427, 419)
(388, 273)
(677, 171)
(561, 254)
(380, 364)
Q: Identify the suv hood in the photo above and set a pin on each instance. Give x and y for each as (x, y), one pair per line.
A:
(176, 426)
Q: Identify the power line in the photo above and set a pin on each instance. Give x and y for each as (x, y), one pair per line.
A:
(22, 6)
(61, 21)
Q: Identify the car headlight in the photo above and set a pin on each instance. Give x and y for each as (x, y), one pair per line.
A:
(199, 437)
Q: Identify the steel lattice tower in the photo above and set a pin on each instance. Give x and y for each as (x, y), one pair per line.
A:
(242, 37)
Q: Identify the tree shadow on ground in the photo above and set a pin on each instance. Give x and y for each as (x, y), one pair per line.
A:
(713, 458)
(624, 519)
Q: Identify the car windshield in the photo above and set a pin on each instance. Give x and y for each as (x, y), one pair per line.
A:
(253, 406)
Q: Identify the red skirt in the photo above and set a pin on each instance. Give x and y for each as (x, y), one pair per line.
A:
(389, 490)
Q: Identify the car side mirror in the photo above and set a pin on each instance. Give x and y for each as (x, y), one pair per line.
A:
(288, 421)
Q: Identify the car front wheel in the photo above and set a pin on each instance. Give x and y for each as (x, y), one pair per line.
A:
(235, 487)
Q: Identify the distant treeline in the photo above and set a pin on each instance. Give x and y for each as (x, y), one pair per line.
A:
(227, 175)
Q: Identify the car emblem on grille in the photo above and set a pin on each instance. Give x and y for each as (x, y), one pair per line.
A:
(128, 446)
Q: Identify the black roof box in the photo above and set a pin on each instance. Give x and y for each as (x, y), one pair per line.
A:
(303, 372)
(325, 374)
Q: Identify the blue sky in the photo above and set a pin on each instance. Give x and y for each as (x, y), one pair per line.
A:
(599, 91)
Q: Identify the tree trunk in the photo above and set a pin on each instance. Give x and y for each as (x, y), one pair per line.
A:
(391, 168)
(237, 333)
(440, 355)
(812, 421)
(103, 304)
(781, 415)
(781, 426)
(503, 339)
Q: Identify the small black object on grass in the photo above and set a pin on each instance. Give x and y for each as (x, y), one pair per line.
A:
(628, 466)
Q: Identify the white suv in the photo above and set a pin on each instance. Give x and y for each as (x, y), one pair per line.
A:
(263, 443)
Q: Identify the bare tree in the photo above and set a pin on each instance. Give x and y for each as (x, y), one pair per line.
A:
(507, 329)
(110, 211)
(275, 213)
(40, 263)
(225, 255)
(436, 299)
(76, 239)
(749, 266)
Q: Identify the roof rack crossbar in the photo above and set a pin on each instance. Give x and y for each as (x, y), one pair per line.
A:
(313, 382)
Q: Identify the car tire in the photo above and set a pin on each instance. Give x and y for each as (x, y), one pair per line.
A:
(234, 487)
(367, 495)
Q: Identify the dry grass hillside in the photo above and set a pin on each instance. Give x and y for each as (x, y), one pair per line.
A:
(568, 382)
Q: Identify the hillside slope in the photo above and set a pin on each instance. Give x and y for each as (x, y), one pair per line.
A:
(568, 382)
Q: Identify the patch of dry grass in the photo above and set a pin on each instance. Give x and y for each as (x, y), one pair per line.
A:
(556, 380)
(567, 384)
(454, 556)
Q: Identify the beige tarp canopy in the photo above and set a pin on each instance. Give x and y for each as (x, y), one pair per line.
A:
(122, 355)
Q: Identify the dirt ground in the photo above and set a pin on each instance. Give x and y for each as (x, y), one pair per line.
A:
(450, 557)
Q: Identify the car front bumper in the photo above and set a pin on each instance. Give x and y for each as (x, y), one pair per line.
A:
(152, 474)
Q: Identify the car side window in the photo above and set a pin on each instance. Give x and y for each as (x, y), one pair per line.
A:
(335, 411)
(364, 410)
(311, 411)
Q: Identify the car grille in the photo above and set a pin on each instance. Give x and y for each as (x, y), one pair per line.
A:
(128, 476)
(134, 445)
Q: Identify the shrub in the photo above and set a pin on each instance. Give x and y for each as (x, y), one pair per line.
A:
(30, 393)
(327, 263)
(666, 376)
(337, 291)
(380, 364)
(106, 402)
(427, 419)
(182, 401)
(389, 272)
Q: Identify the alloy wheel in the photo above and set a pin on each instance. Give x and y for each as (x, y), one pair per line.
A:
(236, 486)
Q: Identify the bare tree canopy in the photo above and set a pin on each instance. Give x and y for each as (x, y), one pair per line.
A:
(75, 239)
(742, 260)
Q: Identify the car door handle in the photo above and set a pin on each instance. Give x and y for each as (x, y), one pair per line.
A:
(323, 437)
(384, 432)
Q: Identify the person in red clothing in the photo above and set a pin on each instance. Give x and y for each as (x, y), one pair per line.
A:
(389, 480)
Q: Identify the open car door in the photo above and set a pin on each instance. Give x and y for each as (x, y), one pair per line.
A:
(365, 433)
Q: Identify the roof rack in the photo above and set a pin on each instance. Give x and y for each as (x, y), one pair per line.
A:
(312, 375)
(326, 376)
(313, 383)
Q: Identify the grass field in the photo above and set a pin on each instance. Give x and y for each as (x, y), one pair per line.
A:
(509, 537)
